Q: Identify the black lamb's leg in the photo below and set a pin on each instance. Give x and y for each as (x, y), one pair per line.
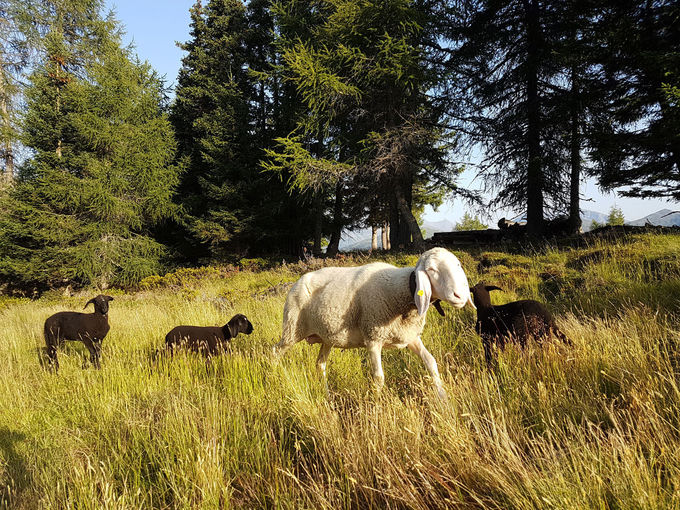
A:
(52, 356)
(94, 347)
(487, 351)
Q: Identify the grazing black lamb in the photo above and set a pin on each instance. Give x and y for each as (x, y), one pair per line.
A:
(208, 340)
(89, 328)
(517, 321)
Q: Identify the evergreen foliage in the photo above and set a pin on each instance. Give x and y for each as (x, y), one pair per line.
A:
(469, 222)
(14, 57)
(223, 116)
(615, 216)
(298, 119)
(636, 145)
(100, 175)
(363, 73)
(504, 67)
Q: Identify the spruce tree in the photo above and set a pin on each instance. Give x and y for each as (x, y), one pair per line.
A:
(615, 216)
(100, 177)
(503, 67)
(225, 114)
(635, 145)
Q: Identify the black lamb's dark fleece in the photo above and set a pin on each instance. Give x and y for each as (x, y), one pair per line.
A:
(89, 328)
(516, 321)
(208, 340)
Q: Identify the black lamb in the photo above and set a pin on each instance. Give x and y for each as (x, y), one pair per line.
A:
(516, 321)
(208, 340)
(89, 328)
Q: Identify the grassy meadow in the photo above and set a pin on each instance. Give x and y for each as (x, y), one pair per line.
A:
(596, 425)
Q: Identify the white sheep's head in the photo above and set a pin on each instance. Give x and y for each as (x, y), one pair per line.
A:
(439, 275)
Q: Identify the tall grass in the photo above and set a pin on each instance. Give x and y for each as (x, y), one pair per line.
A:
(592, 426)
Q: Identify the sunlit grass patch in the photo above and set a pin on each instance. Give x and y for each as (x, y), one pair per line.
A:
(594, 425)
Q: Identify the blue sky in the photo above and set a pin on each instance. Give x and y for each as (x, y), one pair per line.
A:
(154, 26)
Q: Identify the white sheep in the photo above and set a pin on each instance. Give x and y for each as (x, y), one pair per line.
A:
(373, 306)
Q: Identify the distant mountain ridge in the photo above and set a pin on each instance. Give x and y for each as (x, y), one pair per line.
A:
(662, 218)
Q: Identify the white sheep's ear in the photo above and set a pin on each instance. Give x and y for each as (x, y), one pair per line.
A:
(423, 292)
(471, 302)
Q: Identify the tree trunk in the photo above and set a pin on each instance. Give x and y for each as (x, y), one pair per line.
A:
(574, 189)
(318, 223)
(6, 151)
(406, 215)
(405, 230)
(393, 232)
(383, 237)
(334, 244)
(534, 164)
(58, 106)
(374, 238)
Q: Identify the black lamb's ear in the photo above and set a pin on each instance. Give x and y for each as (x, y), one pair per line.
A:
(232, 327)
(492, 287)
(90, 301)
(438, 306)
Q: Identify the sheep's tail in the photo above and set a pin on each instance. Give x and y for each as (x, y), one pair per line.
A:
(291, 315)
(555, 331)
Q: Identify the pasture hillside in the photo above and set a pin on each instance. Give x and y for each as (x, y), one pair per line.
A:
(596, 425)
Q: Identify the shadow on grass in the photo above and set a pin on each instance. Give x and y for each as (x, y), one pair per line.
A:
(14, 477)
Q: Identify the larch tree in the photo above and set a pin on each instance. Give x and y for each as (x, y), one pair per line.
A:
(362, 72)
(15, 52)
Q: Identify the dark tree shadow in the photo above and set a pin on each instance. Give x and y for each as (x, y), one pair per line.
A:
(14, 477)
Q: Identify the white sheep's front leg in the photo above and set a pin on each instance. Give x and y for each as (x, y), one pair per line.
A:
(321, 359)
(374, 355)
(321, 365)
(431, 365)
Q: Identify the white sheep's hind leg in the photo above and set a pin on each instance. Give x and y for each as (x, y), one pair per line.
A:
(374, 355)
(289, 336)
(321, 365)
(431, 365)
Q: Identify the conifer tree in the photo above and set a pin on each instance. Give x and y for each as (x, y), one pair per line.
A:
(364, 76)
(635, 145)
(100, 177)
(615, 216)
(503, 68)
(15, 46)
(469, 222)
(225, 114)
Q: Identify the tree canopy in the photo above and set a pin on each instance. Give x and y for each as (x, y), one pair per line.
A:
(294, 120)
(100, 175)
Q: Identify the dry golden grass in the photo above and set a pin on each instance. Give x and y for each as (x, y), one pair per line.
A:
(592, 426)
